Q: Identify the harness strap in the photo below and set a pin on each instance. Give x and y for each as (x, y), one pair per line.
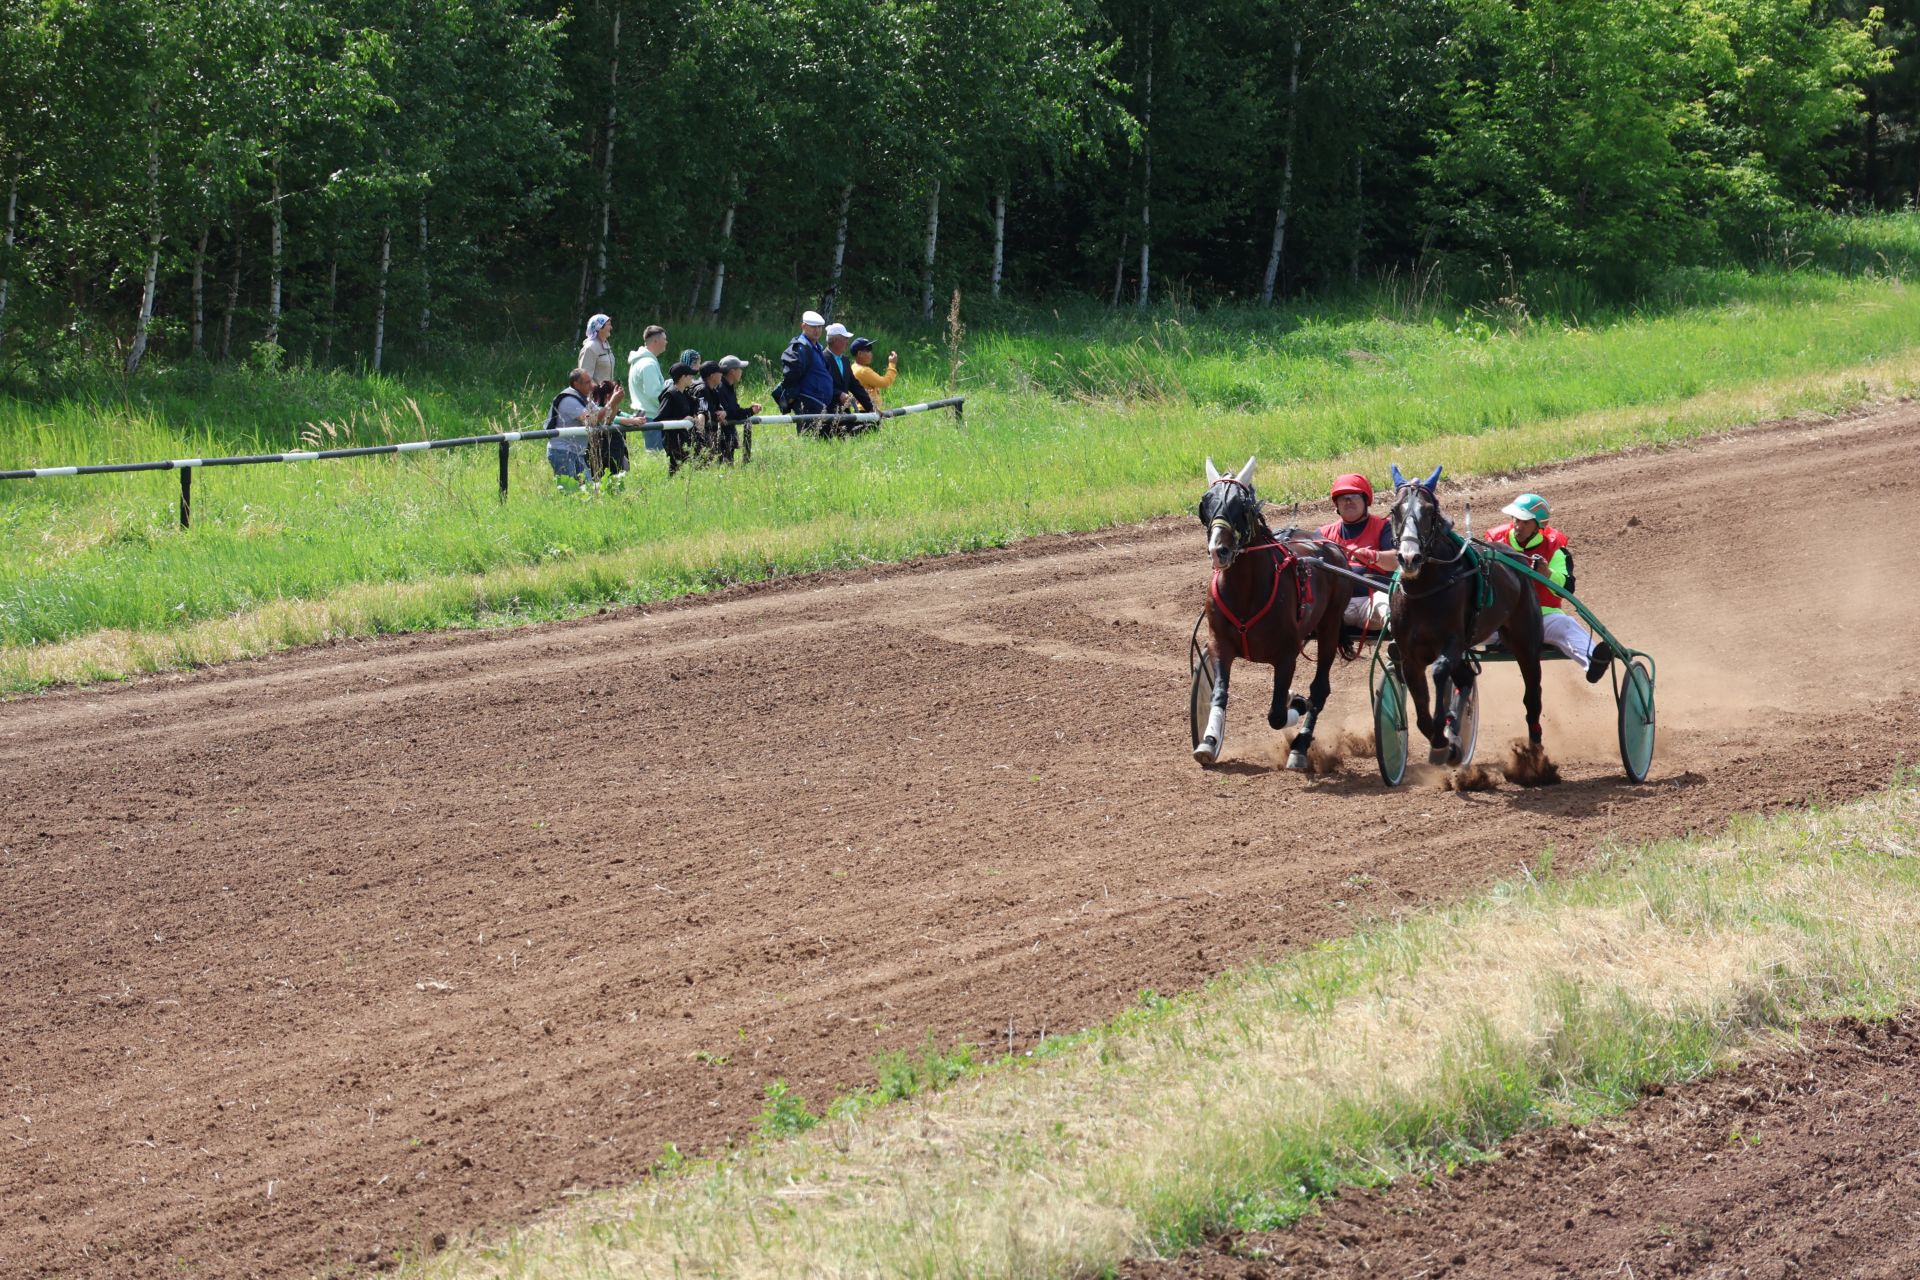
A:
(1287, 558)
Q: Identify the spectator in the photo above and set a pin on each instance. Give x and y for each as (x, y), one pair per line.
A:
(607, 448)
(852, 396)
(596, 353)
(644, 378)
(722, 435)
(690, 358)
(677, 402)
(732, 369)
(874, 381)
(567, 455)
(806, 374)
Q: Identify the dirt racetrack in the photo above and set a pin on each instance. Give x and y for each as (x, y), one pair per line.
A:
(308, 959)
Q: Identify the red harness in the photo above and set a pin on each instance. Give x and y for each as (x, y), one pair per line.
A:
(1287, 558)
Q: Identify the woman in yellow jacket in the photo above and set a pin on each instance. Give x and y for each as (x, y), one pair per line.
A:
(873, 381)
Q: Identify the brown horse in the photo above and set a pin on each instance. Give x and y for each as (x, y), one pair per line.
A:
(1450, 598)
(1264, 604)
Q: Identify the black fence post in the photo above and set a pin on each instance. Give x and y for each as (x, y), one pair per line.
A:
(186, 496)
(960, 414)
(503, 471)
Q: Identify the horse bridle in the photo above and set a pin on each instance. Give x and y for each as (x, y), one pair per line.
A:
(1220, 522)
(1445, 527)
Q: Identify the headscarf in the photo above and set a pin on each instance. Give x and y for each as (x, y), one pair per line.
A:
(594, 326)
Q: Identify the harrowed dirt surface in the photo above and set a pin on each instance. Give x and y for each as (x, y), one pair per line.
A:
(314, 958)
(1804, 1162)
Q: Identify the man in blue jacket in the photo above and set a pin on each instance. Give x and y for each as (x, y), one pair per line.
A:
(807, 383)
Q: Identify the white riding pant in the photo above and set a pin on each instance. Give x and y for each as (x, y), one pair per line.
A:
(1369, 611)
(1565, 633)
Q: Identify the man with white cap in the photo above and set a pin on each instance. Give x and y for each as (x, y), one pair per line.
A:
(851, 394)
(807, 384)
(1529, 537)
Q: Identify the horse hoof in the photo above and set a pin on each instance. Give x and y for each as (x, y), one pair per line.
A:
(1207, 752)
(1297, 761)
(1439, 755)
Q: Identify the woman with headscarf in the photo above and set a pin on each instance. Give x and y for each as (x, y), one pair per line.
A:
(596, 352)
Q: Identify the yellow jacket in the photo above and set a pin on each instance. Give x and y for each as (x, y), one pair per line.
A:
(874, 381)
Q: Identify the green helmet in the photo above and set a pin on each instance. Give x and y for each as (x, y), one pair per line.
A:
(1528, 506)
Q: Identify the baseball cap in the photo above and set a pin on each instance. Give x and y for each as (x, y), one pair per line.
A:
(839, 331)
(862, 344)
(732, 362)
(710, 368)
(813, 317)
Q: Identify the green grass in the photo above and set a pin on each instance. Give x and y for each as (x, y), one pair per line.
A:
(1406, 1049)
(1072, 423)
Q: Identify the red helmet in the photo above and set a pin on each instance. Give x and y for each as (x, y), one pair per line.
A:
(1354, 483)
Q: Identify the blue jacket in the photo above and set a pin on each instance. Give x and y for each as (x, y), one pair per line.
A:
(804, 372)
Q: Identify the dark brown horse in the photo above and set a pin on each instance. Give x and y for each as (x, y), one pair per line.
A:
(1451, 598)
(1264, 604)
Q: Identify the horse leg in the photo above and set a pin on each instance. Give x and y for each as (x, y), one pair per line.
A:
(1413, 669)
(1317, 694)
(1211, 741)
(1440, 738)
(1528, 660)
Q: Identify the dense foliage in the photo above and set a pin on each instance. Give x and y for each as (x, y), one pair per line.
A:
(346, 182)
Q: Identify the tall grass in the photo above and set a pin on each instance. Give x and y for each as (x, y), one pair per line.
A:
(1406, 1047)
(1072, 422)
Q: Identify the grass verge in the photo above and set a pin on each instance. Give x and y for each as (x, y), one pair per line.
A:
(1072, 424)
(565, 581)
(1403, 1048)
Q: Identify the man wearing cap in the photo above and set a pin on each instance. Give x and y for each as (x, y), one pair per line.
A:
(1528, 536)
(851, 394)
(872, 379)
(806, 374)
(722, 401)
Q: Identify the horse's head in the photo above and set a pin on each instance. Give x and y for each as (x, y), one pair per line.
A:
(1416, 520)
(1229, 511)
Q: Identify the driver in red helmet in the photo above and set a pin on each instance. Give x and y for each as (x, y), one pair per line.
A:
(1368, 542)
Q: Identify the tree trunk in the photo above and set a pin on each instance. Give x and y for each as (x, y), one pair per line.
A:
(1119, 271)
(141, 329)
(6, 259)
(1286, 181)
(233, 295)
(720, 267)
(606, 159)
(279, 243)
(1146, 182)
(699, 287)
(999, 236)
(839, 251)
(380, 295)
(1359, 219)
(200, 293)
(933, 241)
(426, 282)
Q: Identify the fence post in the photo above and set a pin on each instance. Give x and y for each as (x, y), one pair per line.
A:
(960, 414)
(186, 496)
(503, 471)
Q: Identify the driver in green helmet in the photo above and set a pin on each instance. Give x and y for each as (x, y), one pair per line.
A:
(1528, 535)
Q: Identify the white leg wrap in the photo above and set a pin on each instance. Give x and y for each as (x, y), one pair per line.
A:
(1565, 633)
(1214, 738)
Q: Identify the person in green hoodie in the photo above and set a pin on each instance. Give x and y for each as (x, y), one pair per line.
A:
(645, 381)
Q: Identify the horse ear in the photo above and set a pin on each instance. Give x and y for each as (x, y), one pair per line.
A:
(1245, 476)
(1213, 473)
(1431, 480)
(1398, 479)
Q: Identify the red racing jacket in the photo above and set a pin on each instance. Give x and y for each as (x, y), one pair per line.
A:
(1372, 535)
(1550, 545)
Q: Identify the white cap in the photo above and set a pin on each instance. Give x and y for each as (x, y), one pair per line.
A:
(813, 317)
(839, 331)
(732, 362)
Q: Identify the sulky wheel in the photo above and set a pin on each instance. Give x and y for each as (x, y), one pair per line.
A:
(1466, 709)
(1636, 719)
(1390, 728)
